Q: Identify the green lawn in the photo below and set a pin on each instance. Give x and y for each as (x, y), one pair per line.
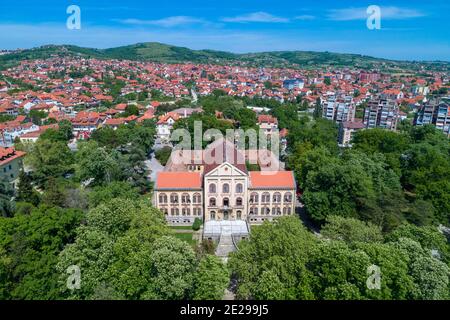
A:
(181, 227)
(186, 237)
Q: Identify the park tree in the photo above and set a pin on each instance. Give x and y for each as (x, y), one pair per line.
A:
(211, 279)
(50, 159)
(113, 190)
(428, 236)
(96, 163)
(125, 250)
(29, 248)
(430, 276)
(25, 190)
(351, 230)
(54, 194)
(281, 248)
(6, 195)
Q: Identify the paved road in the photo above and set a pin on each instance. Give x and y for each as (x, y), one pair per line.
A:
(154, 166)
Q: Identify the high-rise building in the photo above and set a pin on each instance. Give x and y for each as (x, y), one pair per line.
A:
(381, 113)
(339, 109)
(435, 112)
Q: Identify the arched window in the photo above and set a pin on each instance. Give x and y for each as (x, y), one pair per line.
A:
(277, 197)
(212, 202)
(239, 188)
(254, 198)
(266, 210)
(288, 197)
(212, 215)
(253, 211)
(177, 212)
(289, 210)
(226, 202)
(185, 198)
(197, 198)
(226, 188)
(265, 198)
(239, 201)
(212, 188)
(239, 215)
(174, 198)
(162, 198)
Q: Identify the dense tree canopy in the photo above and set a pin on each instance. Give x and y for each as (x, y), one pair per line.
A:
(284, 261)
(29, 248)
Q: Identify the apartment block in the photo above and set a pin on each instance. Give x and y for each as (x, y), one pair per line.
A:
(339, 109)
(381, 113)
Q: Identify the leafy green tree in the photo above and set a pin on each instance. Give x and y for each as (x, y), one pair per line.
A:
(389, 143)
(29, 248)
(197, 224)
(113, 190)
(6, 194)
(269, 287)
(207, 122)
(172, 267)
(430, 276)
(163, 155)
(50, 159)
(282, 248)
(65, 128)
(341, 189)
(25, 191)
(94, 162)
(425, 170)
(428, 237)
(54, 194)
(125, 251)
(37, 116)
(351, 230)
(338, 272)
(320, 133)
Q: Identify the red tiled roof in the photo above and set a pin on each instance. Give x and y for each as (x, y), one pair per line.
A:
(357, 124)
(272, 179)
(115, 122)
(266, 118)
(9, 154)
(178, 180)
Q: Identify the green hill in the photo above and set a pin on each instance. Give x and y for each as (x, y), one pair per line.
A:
(159, 52)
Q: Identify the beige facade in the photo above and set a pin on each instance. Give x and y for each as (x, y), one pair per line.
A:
(266, 204)
(180, 206)
(226, 194)
(223, 190)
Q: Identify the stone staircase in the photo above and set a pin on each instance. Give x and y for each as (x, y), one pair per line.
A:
(225, 245)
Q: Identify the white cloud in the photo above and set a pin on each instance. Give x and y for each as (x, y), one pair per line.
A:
(165, 22)
(305, 17)
(391, 13)
(256, 17)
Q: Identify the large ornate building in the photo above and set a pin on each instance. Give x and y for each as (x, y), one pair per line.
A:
(224, 190)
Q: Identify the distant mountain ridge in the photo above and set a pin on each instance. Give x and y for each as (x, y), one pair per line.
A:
(158, 52)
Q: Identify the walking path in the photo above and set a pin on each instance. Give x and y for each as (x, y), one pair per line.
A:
(154, 166)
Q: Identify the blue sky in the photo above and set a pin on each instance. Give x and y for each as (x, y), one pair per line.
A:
(410, 30)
